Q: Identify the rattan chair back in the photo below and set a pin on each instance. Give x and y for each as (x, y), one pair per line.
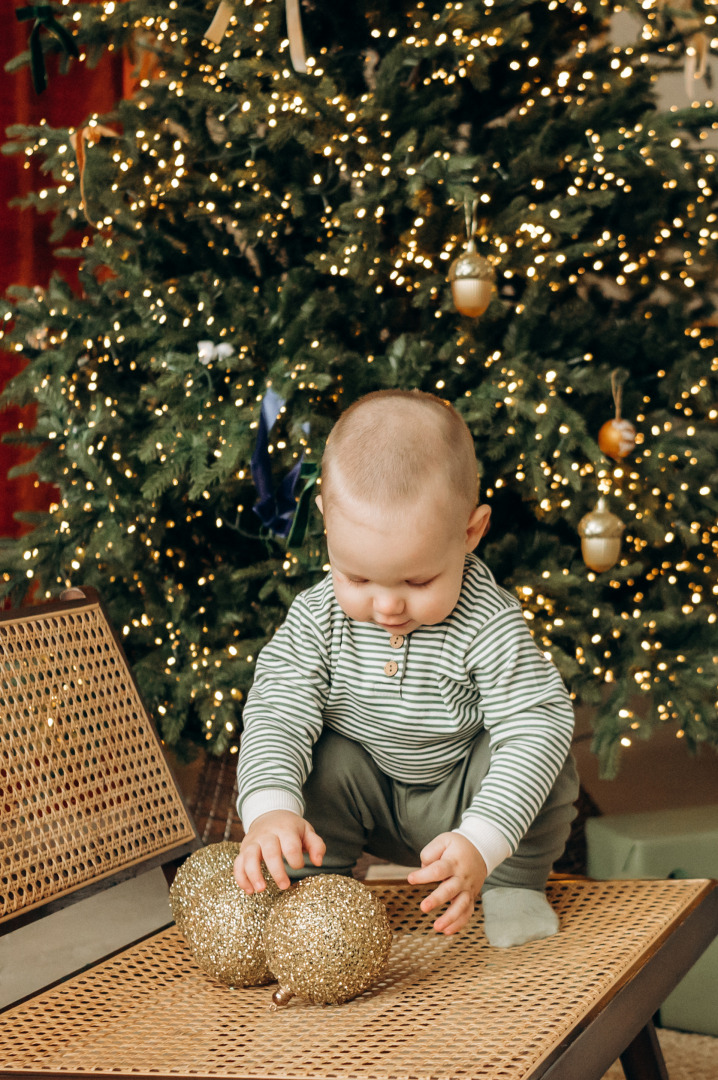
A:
(87, 796)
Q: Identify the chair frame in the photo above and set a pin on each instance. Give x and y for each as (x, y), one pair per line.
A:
(75, 600)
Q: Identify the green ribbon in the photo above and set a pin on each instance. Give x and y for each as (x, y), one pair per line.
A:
(309, 472)
(44, 17)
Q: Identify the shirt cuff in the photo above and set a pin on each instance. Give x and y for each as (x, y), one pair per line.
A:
(490, 842)
(266, 800)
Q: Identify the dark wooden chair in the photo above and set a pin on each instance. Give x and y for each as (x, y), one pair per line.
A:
(88, 799)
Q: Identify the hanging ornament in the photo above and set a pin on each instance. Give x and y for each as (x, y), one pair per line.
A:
(617, 437)
(470, 274)
(223, 926)
(328, 939)
(600, 533)
(697, 40)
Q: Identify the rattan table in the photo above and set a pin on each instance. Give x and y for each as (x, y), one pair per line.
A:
(89, 799)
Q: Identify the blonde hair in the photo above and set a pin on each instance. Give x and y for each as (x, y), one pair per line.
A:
(390, 445)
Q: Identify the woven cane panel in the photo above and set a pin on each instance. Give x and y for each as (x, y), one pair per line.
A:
(85, 788)
(447, 1008)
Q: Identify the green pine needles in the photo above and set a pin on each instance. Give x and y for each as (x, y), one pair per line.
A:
(256, 227)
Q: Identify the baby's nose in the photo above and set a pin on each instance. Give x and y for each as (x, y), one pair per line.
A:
(388, 603)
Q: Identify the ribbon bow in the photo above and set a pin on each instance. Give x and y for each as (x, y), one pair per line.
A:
(208, 351)
(218, 27)
(44, 17)
(91, 133)
(281, 513)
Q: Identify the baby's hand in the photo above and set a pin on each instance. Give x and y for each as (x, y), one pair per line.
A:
(454, 861)
(273, 837)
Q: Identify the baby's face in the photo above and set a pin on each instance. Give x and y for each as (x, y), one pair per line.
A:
(400, 568)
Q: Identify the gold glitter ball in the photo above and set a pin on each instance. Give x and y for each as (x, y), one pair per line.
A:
(223, 926)
(328, 940)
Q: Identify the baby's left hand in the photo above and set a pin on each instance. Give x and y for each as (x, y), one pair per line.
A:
(454, 861)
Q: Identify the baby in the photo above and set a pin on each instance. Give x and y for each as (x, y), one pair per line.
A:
(403, 708)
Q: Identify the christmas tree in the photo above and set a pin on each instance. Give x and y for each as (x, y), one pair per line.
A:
(264, 231)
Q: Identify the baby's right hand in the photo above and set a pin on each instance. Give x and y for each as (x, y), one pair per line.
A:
(273, 837)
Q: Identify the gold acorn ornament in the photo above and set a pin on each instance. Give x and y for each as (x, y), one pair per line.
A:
(223, 925)
(617, 437)
(471, 275)
(327, 940)
(472, 280)
(600, 533)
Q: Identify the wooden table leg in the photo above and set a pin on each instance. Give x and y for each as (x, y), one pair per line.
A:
(643, 1058)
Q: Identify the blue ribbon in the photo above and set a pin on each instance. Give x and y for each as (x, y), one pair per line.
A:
(277, 511)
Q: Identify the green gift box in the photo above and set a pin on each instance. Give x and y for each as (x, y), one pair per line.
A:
(661, 844)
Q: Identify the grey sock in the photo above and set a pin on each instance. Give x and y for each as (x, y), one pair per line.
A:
(515, 916)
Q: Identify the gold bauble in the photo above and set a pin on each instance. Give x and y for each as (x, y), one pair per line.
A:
(328, 940)
(617, 438)
(193, 874)
(600, 533)
(224, 926)
(472, 279)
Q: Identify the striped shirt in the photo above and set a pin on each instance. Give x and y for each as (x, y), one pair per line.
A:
(477, 670)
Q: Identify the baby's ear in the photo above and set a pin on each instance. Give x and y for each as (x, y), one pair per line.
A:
(477, 526)
(320, 504)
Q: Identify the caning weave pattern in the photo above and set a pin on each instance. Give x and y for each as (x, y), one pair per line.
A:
(446, 1008)
(85, 789)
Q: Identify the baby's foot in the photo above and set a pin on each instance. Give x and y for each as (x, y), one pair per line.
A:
(515, 916)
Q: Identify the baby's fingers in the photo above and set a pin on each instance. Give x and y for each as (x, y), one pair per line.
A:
(247, 869)
(456, 915)
(240, 875)
(434, 850)
(315, 846)
(435, 871)
(446, 892)
(293, 851)
(271, 852)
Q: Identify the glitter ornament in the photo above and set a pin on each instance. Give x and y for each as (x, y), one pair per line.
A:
(328, 939)
(193, 874)
(600, 533)
(472, 280)
(223, 925)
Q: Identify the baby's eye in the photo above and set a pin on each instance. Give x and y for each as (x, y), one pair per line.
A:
(357, 581)
(419, 584)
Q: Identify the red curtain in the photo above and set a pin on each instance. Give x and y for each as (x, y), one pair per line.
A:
(26, 254)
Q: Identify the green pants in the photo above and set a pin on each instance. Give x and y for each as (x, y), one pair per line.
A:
(357, 808)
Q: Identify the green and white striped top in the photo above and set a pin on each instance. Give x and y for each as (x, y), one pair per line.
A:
(479, 669)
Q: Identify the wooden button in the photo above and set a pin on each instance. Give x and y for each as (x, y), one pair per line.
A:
(396, 641)
(391, 668)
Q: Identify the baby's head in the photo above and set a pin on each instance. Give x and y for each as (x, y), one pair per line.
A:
(393, 446)
(399, 496)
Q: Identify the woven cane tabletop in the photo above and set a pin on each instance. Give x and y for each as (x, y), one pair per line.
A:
(446, 1009)
(86, 790)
